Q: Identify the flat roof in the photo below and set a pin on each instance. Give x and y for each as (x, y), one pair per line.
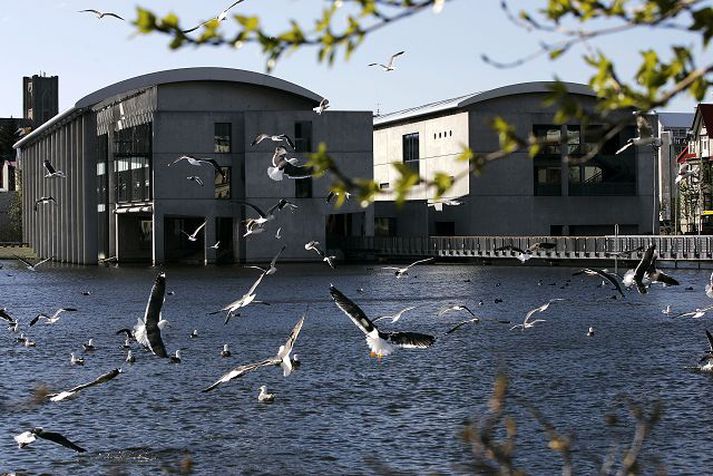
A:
(179, 75)
(676, 119)
(473, 98)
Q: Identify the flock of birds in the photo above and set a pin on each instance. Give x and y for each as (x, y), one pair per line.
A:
(148, 330)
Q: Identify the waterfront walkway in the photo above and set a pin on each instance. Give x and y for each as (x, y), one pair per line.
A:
(670, 248)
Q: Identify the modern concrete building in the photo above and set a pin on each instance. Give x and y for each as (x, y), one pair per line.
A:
(121, 198)
(40, 98)
(673, 129)
(517, 195)
(696, 191)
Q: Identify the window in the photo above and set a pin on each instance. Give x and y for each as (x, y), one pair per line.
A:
(547, 163)
(549, 136)
(410, 150)
(450, 133)
(384, 185)
(385, 226)
(303, 136)
(303, 188)
(222, 137)
(132, 164)
(547, 180)
(222, 184)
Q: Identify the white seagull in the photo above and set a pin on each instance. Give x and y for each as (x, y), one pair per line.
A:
(438, 204)
(461, 324)
(313, 245)
(130, 357)
(58, 397)
(30, 266)
(199, 162)
(219, 17)
(7, 317)
(74, 360)
(645, 136)
(612, 278)
(226, 351)
(646, 273)
(400, 272)
(709, 287)
(390, 66)
(147, 331)
(323, 105)
(192, 236)
(527, 323)
(708, 356)
(283, 166)
(274, 138)
(278, 234)
(51, 171)
(28, 437)
(264, 396)
(695, 314)
(101, 15)
(271, 269)
(53, 318)
(282, 358)
(244, 300)
(590, 331)
(456, 307)
(175, 359)
(89, 346)
(264, 217)
(215, 246)
(684, 172)
(380, 343)
(44, 200)
(667, 311)
(196, 179)
(394, 317)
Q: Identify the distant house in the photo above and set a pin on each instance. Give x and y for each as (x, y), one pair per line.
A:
(696, 197)
(517, 195)
(121, 198)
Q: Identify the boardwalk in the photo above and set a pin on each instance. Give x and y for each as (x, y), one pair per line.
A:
(670, 248)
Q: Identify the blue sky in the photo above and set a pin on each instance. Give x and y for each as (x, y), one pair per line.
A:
(442, 60)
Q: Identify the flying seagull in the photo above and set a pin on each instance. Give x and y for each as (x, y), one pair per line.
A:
(332, 195)
(7, 317)
(225, 352)
(394, 317)
(264, 396)
(264, 217)
(695, 314)
(313, 245)
(461, 324)
(456, 307)
(282, 166)
(58, 397)
(176, 358)
(684, 172)
(53, 318)
(645, 135)
(196, 179)
(74, 360)
(44, 200)
(51, 171)
(219, 17)
(30, 266)
(278, 234)
(199, 162)
(323, 105)
(89, 346)
(272, 269)
(380, 343)
(400, 272)
(524, 255)
(709, 287)
(603, 274)
(147, 331)
(625, 253)
(27, 437)
(192, 237)
(390, 66)
(215, 246)
(101, 15)
(282, 358)
(274, 138)
(646, 272)
(438, 204)
(708, 356)
(244, 300)
(527, 323)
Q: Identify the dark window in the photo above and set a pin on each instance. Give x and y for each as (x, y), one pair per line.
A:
(222, 184)
(556, 230)
(547, 163)
(606, 173)
(303, 188)
(132, 164)
(549, 138)
(384, 185)
(222, 137)
(445, 228)
(547, 180)
(385, 226)
(303, 136)
(410, 150)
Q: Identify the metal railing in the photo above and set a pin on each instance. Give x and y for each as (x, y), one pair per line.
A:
(566, 247)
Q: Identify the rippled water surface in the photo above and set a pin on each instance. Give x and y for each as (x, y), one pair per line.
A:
(342, 411)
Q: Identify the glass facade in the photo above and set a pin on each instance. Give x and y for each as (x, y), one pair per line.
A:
(132, 164)
(410, 150)
(223, 137)
(222, 184)
(548, 162)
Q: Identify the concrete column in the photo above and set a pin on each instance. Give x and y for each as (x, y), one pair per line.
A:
(210, 239)
(564, 167)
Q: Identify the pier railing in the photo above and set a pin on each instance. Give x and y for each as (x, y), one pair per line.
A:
(566, 247)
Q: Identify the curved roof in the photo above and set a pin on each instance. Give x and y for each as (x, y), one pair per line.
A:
(174, 76)
(469, 99)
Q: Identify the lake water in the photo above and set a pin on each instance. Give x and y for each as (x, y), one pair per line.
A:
(342, 411)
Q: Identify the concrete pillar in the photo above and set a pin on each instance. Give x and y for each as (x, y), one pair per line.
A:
(209, 240)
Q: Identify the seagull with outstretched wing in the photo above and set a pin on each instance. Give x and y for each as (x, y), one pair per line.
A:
(283, 166)
(101, 15)
(193, 236)
(394, 317)
(30, 266)
(247, 298)
(27, 437)
(274, 138)
(51, 171)
(53, 318)
(271, 269)
(602, 274)
(380, 343)
(147, 331)
(403, 271)
(199, 162)
(283, 358)
(314, 246)
(390, 66)
(104, 378)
